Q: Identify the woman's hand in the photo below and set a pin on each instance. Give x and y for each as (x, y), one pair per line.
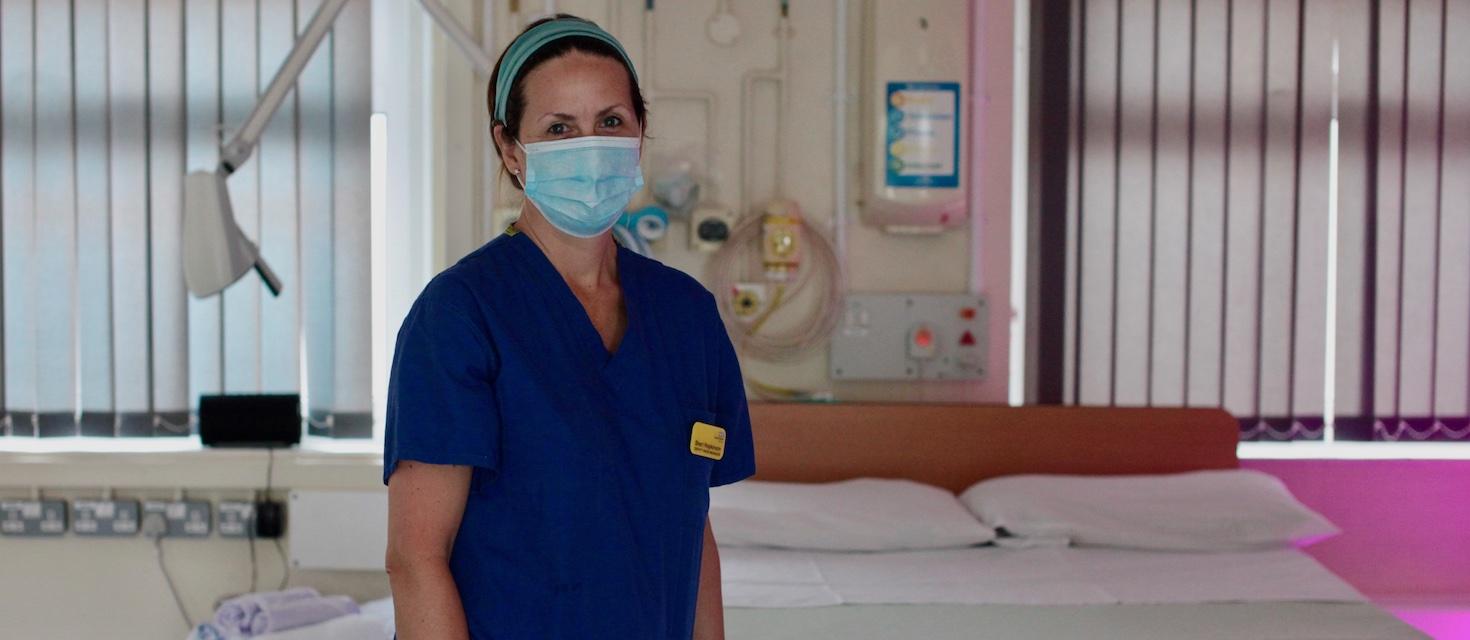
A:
(425, 503)
(709, 609)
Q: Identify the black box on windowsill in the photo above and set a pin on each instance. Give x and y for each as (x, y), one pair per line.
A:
(272, 420)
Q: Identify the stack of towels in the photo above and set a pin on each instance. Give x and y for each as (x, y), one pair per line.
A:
(256, 614)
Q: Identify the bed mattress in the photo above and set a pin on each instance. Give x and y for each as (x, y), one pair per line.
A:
(990, 592)
(1262, 620)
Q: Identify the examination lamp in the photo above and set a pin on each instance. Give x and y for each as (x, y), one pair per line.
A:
(216, 251)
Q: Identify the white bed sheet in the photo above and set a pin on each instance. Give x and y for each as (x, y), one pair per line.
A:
(771, 578)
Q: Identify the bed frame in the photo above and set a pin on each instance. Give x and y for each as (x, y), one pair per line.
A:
(956, 445)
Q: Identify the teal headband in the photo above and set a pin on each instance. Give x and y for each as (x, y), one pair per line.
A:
(528, 43)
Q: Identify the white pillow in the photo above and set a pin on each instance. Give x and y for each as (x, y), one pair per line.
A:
(853, 515)
(1200, 511)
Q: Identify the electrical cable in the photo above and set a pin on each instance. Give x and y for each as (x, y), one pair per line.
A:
(270, 467)
(172, 588)
(254, 565)
(285, 566)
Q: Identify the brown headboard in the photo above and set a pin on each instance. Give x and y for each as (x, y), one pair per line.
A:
(956, 445)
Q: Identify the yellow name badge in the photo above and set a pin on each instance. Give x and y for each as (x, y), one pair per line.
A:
(707, 440)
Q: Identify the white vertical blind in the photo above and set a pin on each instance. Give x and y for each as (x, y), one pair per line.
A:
(280, 319)
(169, 338)
(202, 29)
(18, 209)
(128, 165)
(1133, 198)
(1452, 377)
(56, 272)
(1206, 175)
(1270, 213)
(1244, 100)
(1354, 291)
(1170, 216)
(107, 105)
(239, 84)
(351, 224)
(1097, 179)
(1421, 349)
(316, 197)
(94, 210)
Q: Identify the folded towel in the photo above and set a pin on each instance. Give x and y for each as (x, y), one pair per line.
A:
(236, 615)
(274, 618)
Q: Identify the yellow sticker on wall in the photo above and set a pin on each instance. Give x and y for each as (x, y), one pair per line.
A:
(707, 440)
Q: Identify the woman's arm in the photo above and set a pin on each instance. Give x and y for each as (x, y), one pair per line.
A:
(425, 504)
(709, 609)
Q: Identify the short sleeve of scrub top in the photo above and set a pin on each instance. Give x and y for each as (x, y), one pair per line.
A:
(442, 407)
(589, 498)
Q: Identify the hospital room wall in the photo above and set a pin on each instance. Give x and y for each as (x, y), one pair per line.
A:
(974, 258)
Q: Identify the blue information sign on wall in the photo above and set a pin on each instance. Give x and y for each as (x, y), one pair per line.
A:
(922, 144)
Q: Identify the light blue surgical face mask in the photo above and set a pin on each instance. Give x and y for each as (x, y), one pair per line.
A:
(581, 185)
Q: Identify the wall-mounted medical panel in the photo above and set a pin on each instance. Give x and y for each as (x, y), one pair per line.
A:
(896, 336)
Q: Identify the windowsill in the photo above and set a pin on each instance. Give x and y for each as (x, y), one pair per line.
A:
(1354, 451)
(71, 463)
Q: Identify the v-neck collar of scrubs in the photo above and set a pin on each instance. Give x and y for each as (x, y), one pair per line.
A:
(557, 288)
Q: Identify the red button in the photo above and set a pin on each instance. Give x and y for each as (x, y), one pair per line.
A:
(967, 313)
(967, 340)
(923, 338)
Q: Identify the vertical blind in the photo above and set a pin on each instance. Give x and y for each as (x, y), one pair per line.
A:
(107, 104)
(1268, 210)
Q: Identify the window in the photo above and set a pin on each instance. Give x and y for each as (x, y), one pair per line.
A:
(1264, 207)
(106, 106)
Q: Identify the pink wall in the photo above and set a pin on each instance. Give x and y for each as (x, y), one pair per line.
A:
(1405, 523)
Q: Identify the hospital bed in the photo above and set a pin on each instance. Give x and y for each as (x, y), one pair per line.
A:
(1002, 593)
(990, 592)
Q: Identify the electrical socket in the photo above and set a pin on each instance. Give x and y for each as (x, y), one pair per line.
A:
(33, 517)
(182, 518)
(104, 517)
(236, 519)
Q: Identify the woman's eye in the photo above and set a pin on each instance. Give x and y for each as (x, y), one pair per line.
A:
(612, 122)
(557, 129)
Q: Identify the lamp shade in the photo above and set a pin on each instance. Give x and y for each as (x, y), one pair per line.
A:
(216, 251)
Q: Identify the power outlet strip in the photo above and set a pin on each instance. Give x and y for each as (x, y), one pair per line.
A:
(33, 517)
(236, 519)
(104, 517)
(184, 518)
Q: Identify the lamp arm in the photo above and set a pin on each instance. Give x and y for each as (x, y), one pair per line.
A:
(239, 148)
(460, 36)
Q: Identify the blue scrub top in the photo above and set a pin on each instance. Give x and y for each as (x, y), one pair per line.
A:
(586, 511)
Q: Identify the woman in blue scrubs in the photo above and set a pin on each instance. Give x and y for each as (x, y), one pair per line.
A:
(559, 406)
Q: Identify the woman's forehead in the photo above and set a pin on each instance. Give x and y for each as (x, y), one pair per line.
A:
(576, 83)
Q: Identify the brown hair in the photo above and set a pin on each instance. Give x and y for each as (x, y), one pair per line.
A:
(515, 104)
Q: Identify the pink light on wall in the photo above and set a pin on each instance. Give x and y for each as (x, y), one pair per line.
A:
(1405, 523)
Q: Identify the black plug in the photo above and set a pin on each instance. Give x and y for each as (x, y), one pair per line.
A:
(270, 519)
